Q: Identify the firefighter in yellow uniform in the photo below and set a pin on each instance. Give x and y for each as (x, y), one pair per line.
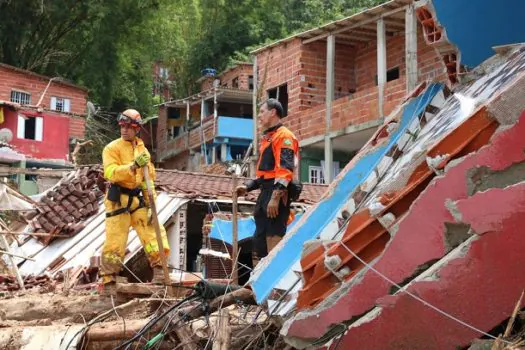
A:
(126, 201)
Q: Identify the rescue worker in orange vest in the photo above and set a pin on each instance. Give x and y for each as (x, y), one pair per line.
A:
(126, 201)
(278, 158)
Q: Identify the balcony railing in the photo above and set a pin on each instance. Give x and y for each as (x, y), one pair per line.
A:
(223, 127)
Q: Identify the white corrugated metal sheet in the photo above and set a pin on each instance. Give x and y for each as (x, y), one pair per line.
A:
(77, 250)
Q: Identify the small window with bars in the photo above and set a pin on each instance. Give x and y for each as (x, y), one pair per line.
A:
(60, 104)
(23, 98)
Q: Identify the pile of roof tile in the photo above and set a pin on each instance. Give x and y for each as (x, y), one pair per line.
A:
(9, 283)
(63, 209)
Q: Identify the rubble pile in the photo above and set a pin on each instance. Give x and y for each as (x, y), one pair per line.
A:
(9, 283)
(217, 169)
(62, 209)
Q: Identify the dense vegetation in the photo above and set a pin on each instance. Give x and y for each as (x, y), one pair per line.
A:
(109, 46)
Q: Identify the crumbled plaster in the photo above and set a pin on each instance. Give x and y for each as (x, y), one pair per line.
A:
(455, 234)
(429, 275)
(451, 206)
(482, 178)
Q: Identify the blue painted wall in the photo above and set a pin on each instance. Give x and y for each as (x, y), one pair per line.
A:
(239, 128)
(475, 26)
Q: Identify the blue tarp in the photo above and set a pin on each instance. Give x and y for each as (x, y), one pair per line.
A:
(222, 229)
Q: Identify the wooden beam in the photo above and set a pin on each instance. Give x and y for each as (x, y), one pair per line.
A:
(381, 65)
(411, 48)
(363, 32)
(8, 171)
(140, 288)
(19, 278)
(119, 329)
(25, 308)
(222, 331)
(244, 295)
(235, 237)
(356, 25)
(354, 38)
(16, 255)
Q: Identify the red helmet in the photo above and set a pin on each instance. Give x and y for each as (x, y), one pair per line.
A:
(130, 117)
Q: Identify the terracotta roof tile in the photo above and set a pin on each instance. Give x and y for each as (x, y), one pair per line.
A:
(62, 209)
(193, 185)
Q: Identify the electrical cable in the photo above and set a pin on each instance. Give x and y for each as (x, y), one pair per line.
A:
(424, 302)
(155, 320)
(181, 319)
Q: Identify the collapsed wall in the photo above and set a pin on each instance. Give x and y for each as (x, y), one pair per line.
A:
(428, 229)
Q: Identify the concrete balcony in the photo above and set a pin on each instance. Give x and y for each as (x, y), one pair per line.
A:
(354, 117)
(229, 134)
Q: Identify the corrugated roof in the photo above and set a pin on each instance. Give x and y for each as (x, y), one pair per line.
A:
(76, 251)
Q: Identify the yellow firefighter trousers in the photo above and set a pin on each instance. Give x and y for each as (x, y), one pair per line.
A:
(117, 229)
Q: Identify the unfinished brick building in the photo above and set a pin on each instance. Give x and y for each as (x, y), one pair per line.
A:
(338, 81)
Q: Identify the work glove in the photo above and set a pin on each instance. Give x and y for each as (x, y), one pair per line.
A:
(142, 159)
(273, 205)
(241, 190)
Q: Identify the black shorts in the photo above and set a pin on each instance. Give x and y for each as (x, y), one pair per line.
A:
(265, 226)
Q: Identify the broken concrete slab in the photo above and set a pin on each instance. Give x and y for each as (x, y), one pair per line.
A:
(471, 285)
(420, 237)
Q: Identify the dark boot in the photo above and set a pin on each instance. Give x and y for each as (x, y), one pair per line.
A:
(107, 289)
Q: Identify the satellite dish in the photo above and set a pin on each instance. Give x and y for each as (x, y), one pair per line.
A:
(91, 109)
(6, 135)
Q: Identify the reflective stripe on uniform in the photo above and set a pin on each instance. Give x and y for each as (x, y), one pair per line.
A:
(111, 258)
(109, 171)
(153, 246)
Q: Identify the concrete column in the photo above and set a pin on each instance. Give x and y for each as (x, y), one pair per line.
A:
(255, 123)
(381, 66)
(224, 151)
(213, 154)
(330, 64)
(215, 112)
(187, 124)
(411, 47)
(203, 140)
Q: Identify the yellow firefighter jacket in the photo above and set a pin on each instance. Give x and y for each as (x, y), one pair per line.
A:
(117, 158)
